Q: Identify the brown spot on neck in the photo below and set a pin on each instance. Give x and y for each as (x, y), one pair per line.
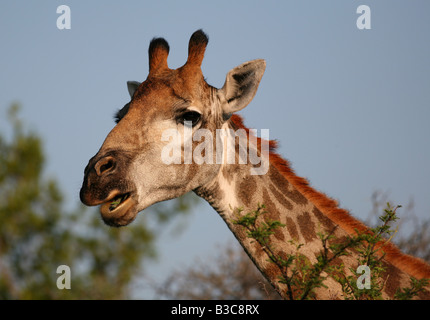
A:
(283, 186)
(392, 279)
(292, 229)
(246, 189)
(281, 198)
(324, 220)
(272, 214)
(307, 227)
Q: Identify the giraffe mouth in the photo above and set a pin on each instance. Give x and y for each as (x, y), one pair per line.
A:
(119, 210)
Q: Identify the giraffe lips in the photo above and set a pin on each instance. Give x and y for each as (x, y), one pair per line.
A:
(117, 201)
(119, 210)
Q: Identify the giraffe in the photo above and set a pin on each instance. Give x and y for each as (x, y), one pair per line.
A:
(127, 174)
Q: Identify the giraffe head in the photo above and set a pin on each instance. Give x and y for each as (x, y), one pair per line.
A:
(128, 174)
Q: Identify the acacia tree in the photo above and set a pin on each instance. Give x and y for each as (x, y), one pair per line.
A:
(416, 243)
(37, 234)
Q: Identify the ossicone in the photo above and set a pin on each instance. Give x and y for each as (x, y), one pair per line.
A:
(196, 48)
(158, 52)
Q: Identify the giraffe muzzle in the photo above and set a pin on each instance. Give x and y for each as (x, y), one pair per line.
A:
(106, 185)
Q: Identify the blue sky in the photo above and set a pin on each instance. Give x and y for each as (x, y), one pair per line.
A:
(350, 108)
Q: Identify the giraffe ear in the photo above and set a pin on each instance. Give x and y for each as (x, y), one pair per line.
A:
(132, 87)
(241, 84)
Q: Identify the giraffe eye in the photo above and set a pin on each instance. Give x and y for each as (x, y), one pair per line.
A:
(190, 116)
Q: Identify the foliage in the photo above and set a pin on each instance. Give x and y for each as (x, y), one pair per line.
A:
(230, 274)
(302, 277)
(416, 243)
(416, 287)
(37, 234)
(367, 249)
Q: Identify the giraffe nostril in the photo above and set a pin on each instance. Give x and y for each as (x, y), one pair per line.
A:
(104, 166)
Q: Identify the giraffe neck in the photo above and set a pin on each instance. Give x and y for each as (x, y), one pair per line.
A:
(286, 200)
(282, 202)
